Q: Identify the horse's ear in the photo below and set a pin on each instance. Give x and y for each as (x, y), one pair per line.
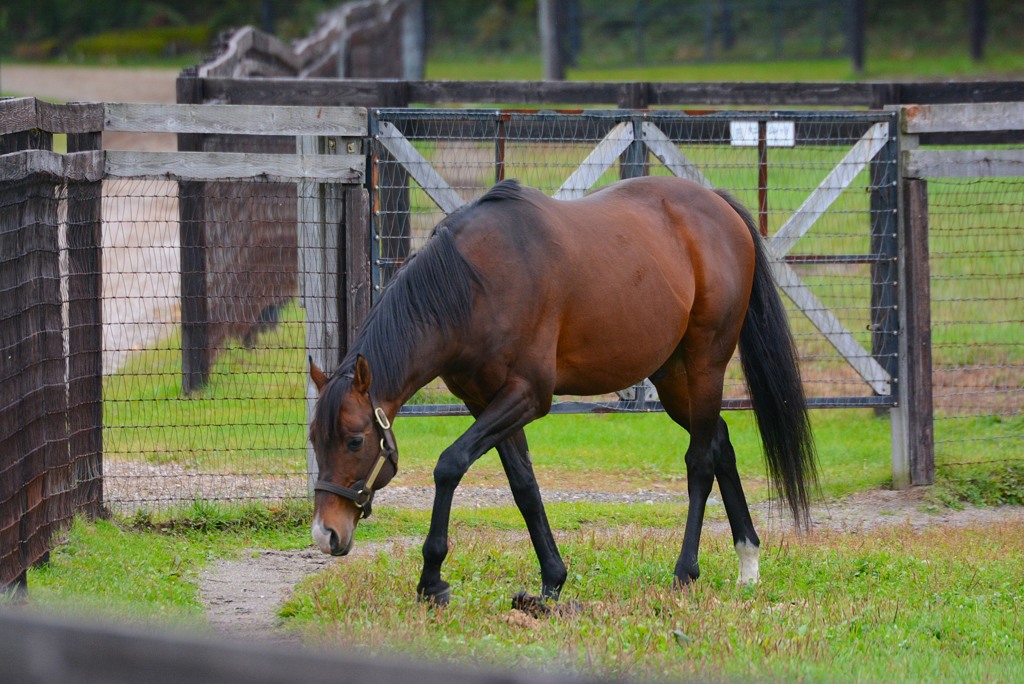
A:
(362, 377)
(319, 379)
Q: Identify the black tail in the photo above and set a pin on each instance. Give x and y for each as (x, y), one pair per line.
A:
(768, 356)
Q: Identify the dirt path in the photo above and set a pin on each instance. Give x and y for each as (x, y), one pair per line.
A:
(88, 84)
(243, 595)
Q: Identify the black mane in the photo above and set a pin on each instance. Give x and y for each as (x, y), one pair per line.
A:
(432, 291)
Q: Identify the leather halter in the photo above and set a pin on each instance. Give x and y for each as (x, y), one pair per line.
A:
(361, 492)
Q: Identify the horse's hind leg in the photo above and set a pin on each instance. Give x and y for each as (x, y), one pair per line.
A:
(515, 458)
(697, 413)
(710, 454)
(745, 541)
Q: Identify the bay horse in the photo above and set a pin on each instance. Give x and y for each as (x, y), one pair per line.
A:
(517, 297)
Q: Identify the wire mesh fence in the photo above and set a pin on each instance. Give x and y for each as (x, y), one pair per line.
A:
(977, 285)
(241, 436)
(48, 404)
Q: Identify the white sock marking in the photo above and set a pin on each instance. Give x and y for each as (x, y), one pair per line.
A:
(749, 555)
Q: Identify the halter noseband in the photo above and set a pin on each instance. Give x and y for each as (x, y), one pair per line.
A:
(361, 493)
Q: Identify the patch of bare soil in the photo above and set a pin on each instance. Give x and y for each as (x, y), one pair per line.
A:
(243, 595)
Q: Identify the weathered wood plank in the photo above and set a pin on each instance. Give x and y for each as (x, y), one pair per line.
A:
(359, 281)
(832, 328)
(77, 166)
(235, 119)
(671, 156)
(420, 169)
(963, 163)
(597, 162)
(199, 166)
(366, 92)
(18, 114)
(232, 62)
(916, 357)
(85, 333)
(978, 116)
(27, 113)
(72, 117)
(829, 190)
(307, 92)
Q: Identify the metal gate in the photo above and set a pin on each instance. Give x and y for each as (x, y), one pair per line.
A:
(823, 186)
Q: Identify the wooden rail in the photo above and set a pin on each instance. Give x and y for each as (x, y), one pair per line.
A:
(629, 95)
(355, 39)
(920, 121)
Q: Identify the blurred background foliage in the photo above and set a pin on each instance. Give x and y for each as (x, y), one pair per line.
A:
(597, 34)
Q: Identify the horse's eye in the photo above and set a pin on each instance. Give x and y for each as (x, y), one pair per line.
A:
(354, 443)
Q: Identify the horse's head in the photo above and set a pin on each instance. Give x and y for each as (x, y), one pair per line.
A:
(355, 453)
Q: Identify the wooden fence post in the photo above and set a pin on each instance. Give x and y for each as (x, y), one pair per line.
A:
(355, 282)
(195, 356)
(334, 268)
(85, 333)
(915, 379)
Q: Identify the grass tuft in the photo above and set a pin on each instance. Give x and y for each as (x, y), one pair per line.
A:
(991, 484)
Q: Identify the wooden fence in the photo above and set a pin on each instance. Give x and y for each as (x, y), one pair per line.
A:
(992, 380)
(51, 318)
(50, 399)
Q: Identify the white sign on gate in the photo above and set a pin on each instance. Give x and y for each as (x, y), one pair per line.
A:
(777, 133)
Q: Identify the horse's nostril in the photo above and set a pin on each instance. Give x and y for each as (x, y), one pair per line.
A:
(336, 547)
(334, 542)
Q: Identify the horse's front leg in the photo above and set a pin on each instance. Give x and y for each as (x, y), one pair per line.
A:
(515, 458)
(513, 407)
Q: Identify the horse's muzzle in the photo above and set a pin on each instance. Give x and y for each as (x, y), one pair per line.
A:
(330, 541)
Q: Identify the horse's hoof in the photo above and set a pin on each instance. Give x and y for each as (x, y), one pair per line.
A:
(439, 599)
(684, 582)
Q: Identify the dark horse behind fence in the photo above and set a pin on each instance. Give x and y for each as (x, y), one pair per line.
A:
(517, 297)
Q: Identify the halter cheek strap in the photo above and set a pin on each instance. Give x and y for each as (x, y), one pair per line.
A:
(361, 492)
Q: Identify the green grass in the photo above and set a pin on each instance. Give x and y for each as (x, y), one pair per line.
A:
(146, 568)
(942, 605)
(252, 411)
(918, 67)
